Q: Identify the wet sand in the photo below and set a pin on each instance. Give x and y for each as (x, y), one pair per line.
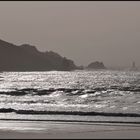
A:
(59, 130)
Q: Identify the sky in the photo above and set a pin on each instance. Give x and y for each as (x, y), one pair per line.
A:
(84, 31)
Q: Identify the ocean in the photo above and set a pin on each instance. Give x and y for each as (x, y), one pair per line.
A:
(75, 96)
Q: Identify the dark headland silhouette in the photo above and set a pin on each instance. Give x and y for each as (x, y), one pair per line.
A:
(28, 58)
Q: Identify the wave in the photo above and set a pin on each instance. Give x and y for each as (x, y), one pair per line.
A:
(82, 122)
(80, 113)
(130, 88)
(22, 92)
(68, 91)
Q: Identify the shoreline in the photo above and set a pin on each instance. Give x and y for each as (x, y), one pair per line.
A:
(60, 130)
(75, 121)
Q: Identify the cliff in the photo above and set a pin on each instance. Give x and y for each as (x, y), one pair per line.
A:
(27, 58)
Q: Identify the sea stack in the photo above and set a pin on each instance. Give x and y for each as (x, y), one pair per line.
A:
(96, 65)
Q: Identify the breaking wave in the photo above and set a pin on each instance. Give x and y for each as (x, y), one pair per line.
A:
(82, 93)
(68, 91)
(9, 110)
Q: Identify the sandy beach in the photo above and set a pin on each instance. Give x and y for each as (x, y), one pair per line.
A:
(62, 130)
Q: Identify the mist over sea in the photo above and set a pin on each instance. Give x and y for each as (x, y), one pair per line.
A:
(79, 95)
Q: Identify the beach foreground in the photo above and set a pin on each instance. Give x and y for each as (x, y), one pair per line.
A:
(62, 130)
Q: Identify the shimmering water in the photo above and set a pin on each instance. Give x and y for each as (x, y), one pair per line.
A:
(111, 93)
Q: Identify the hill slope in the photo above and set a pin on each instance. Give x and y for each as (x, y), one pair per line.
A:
(28, 58)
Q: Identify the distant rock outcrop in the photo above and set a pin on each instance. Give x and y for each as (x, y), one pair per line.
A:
(96, 65)
(133, 68)
(28, 58)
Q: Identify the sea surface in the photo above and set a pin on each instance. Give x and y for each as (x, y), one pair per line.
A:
(92, 96)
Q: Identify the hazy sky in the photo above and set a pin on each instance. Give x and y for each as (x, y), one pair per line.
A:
(107, 31)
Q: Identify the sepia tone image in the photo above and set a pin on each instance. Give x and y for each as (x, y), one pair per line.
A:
(69, 69)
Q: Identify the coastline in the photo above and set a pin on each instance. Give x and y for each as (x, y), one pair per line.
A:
(61, 130)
